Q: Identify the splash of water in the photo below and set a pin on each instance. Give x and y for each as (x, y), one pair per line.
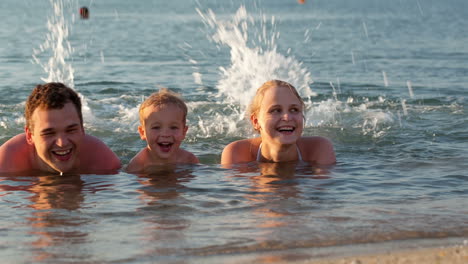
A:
(59, 50)
(57, 67)
(254, 57)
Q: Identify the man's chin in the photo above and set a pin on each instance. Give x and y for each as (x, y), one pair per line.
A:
(60, 167)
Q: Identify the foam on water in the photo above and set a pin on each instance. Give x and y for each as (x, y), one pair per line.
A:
(254, 59)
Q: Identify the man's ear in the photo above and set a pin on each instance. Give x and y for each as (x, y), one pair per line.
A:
(254, 120)
(28, 134)
(141, 131)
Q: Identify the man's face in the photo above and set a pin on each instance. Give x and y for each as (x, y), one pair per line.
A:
(56, 135)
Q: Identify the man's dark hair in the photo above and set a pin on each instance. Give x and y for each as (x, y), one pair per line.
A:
(52, 95)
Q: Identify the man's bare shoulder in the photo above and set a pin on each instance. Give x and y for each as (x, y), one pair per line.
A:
(15, 155)
(97, 156)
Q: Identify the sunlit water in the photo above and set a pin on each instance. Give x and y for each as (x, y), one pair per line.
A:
(384, 80)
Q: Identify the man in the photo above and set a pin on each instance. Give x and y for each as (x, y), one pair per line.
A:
(54, 140)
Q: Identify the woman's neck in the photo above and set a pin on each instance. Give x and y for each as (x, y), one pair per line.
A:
(275, 153)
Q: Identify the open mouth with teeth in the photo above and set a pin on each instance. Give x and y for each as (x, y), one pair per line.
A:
(286, 130)
(62, 155)
(165, 146)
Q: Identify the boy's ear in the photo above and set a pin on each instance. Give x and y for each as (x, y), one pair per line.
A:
(141, 131)
(185, 130)
(28, 134)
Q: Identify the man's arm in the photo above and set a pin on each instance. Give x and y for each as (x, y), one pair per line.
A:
(97, 157)
(16, 154)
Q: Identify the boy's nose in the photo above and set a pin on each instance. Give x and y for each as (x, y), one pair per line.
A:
(166, 133)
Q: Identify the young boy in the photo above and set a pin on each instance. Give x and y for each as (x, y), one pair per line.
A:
(163, 126)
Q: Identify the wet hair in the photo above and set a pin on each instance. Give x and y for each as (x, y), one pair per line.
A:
(51, 95)
(162, 98)
(254, 106)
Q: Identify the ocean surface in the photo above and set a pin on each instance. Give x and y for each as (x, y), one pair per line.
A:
(386, 81)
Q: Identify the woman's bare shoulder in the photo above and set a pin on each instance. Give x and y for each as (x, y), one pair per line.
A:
(240, 151)
(317, 149)
(316, 140)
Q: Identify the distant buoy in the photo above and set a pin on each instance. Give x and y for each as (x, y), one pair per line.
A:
(84, 12)
(301, 1)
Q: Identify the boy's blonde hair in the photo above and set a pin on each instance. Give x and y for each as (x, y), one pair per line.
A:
(254, 106)
(161, 98)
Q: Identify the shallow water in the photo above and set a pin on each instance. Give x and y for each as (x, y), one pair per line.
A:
(385, 81)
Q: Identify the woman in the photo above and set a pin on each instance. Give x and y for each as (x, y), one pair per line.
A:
(276, 113)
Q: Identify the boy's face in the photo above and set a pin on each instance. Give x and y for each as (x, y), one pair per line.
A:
(56, 135)
(163, 129)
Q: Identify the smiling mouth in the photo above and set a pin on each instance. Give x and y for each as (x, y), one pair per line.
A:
(165, 146)
(286, 129)
(62, 155)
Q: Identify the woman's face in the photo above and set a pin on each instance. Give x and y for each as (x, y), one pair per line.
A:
(280, 119)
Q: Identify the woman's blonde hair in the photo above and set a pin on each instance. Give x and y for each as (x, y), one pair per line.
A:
(254, 106)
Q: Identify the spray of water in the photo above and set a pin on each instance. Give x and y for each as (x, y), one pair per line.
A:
(254, 57)
(57, 44)
(58, 49)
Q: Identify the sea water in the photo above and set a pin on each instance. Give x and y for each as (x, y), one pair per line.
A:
(386, 81)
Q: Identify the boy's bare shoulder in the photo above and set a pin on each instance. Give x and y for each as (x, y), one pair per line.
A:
(137, 163)
(187, 157)
(96, 155)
